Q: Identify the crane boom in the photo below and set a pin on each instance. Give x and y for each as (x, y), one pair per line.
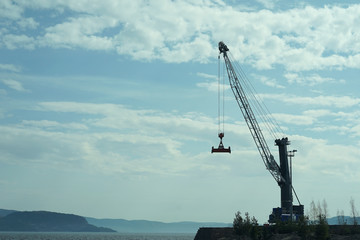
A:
(280, 173)
(250, 119)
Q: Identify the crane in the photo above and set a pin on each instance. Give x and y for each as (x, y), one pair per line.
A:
(281, 173)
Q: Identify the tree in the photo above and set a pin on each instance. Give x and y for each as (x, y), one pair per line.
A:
(254, 231)
(318, 214)
(322, 228)
(303, 228)
(341, 217)
(353, 212)
(313, 212)
(325, 211)
(238, 223)
(246, 226)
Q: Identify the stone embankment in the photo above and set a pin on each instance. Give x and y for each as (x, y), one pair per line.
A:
(216, 234)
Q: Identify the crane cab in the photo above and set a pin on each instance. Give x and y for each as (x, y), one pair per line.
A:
(221, 148)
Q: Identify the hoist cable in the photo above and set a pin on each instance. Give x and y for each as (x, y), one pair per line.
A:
(258, 105)
(219, 123)
(223, 92)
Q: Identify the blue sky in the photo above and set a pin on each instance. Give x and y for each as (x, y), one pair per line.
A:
(109, 108)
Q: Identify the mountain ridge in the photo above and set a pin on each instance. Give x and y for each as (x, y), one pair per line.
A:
(146, 226)
(80, 223)
(22, 223)
(45, 221)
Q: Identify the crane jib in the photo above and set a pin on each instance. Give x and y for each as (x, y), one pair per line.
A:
(249, 117)
(280, 173)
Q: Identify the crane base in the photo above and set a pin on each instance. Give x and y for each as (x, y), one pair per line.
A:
(221, 150)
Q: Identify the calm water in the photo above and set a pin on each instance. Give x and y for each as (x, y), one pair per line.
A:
(92, 236)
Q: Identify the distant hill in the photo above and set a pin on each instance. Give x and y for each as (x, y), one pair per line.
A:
(348, 220)
(12, 220)
(143, 226)
(43, 221)
(4, 212)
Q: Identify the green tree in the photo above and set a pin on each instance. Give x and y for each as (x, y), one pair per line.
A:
(254, 230)
(246, 226)
(303, 227)
(238, 223)
(322, 228)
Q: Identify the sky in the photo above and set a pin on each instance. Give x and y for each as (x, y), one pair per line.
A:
(109, 109)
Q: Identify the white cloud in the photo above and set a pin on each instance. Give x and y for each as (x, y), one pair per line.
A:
(268, 3)
(340, 129)
(80, 32)
(114, 138)
(294, 119)
(338, 161)
(10, 10)
(330, 101)
(2, 114)
(46, 124)
(14, 85)
(119, 140)
(310, 80)
(129, 143)
(119, 117)
(28, 23)
(213, 86)
(208, 76)
(210, 86)
(12, 41)
(324, 120)
(300, 38)
(319, 113)
(10, 67)
(355, 130)
(269, 82)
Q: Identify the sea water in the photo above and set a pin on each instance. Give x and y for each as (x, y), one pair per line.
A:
(93, 236)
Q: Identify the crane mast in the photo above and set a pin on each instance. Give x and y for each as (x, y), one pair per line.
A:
(280, 173)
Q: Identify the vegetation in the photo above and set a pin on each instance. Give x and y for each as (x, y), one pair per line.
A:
(354, 212)
(314, 226)
(246, 226)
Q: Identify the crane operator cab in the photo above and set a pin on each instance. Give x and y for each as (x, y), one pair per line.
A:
(221, 148)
